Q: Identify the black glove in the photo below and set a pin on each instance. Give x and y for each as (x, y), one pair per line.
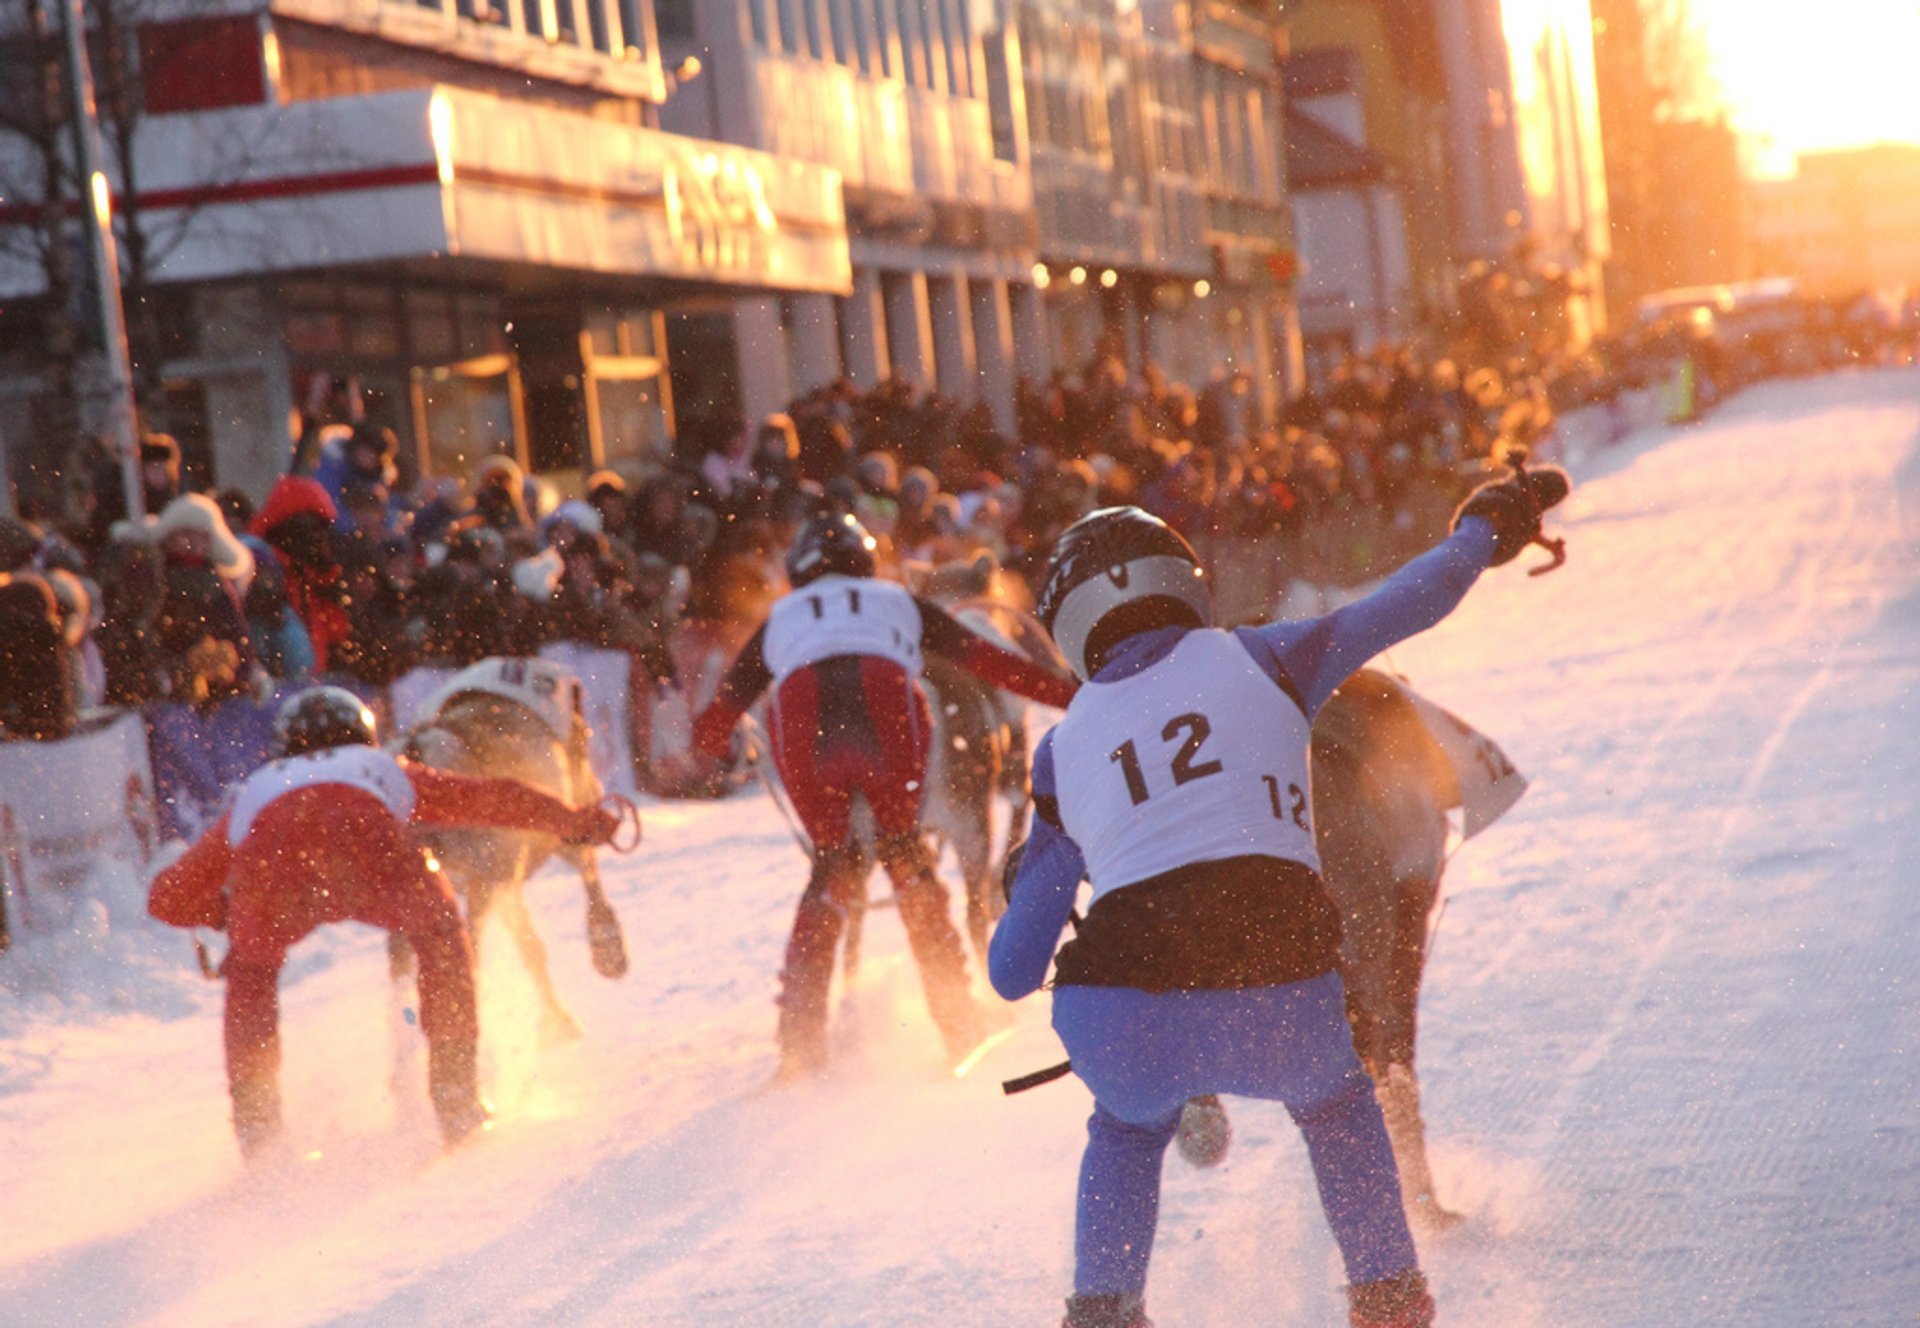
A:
(1011, 869)
(1513, 508)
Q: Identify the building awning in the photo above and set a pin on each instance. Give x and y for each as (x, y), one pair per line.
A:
(441, 172)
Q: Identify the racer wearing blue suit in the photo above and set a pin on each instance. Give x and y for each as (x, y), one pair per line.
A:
(1208, 960)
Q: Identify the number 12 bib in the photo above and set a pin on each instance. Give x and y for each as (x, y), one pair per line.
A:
(1198, 758)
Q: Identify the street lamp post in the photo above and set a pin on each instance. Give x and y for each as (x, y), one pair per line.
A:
(103, 255)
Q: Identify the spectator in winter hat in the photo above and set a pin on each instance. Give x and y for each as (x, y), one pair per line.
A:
(194, 521)
(205, 647)
(363, 459)
(500, 495)
(297, 520)
(36, 688)
(776, 453)
(607, 492)
(159, 471)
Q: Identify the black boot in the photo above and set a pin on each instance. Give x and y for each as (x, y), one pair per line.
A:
(452, 1084)
(1117, 1311)
(1392, 1302)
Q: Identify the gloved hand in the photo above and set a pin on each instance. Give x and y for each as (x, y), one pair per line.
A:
(1513, 508)
(593, 827)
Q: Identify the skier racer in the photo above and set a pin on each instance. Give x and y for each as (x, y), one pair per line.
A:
(1177, 783)
(843, 652)
(319, 835)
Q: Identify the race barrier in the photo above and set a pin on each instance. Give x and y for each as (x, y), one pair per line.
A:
(129, 781)
(65, 807)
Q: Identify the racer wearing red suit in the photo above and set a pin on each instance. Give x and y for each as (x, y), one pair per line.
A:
(323, 835)
(849, 721)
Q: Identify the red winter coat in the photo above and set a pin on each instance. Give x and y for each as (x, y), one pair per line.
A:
(313, 581)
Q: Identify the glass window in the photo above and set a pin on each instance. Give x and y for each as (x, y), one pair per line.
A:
(865, 58)
(817, 45)
(673, 18)
(598, 27)
(1000, 99)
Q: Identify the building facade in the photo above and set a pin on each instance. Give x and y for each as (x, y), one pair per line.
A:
(459, 213)
(1846, 222)
(559, 228)
(1449, 147)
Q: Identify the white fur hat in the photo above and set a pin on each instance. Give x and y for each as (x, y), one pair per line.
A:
(196, 511)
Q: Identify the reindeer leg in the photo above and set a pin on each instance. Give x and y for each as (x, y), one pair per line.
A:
(1398, 1090)
(556, 1024)
(604, 936)
(1395, 1083)
(974, 848)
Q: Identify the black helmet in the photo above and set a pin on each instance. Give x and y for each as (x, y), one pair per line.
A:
(1116, 572)
(323, 717)
(830, 546)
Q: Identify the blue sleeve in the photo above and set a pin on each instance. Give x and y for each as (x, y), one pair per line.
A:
(1317, 656)
(1051, 869)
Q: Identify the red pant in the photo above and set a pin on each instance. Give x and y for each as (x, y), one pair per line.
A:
(328, 854)
(857, 725)
(852, 725)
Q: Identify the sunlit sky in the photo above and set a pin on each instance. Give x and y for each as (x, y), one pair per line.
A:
(1801, 76)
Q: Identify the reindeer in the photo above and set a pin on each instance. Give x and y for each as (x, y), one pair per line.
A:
(1387, 768)
(518, 718)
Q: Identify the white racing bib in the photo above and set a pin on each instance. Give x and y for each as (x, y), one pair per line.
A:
(843, 615)
(1199, 758)
(549, 690)
(366, 768)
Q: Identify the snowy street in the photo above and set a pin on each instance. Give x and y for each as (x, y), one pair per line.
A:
(1670, 1039)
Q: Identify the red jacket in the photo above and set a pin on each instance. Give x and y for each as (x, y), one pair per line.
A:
(312, 588)
(336, 841)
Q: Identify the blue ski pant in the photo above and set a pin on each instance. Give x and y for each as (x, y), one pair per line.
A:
(1145, 1053)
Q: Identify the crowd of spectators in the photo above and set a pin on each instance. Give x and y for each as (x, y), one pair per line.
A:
(340, 572)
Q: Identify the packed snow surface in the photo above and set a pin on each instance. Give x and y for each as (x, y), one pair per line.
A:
(1670, 1039)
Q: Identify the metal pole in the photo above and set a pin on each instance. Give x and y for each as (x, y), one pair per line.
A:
(104, 256)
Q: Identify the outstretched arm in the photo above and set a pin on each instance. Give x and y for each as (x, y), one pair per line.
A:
(442, 798)
(1051, 869)
(943, 634)
(741, 687)
(1318, 656)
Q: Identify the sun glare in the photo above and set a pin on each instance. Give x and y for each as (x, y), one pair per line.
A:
(1801, 78)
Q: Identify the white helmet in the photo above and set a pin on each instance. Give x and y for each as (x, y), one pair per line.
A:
(1114, 573)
